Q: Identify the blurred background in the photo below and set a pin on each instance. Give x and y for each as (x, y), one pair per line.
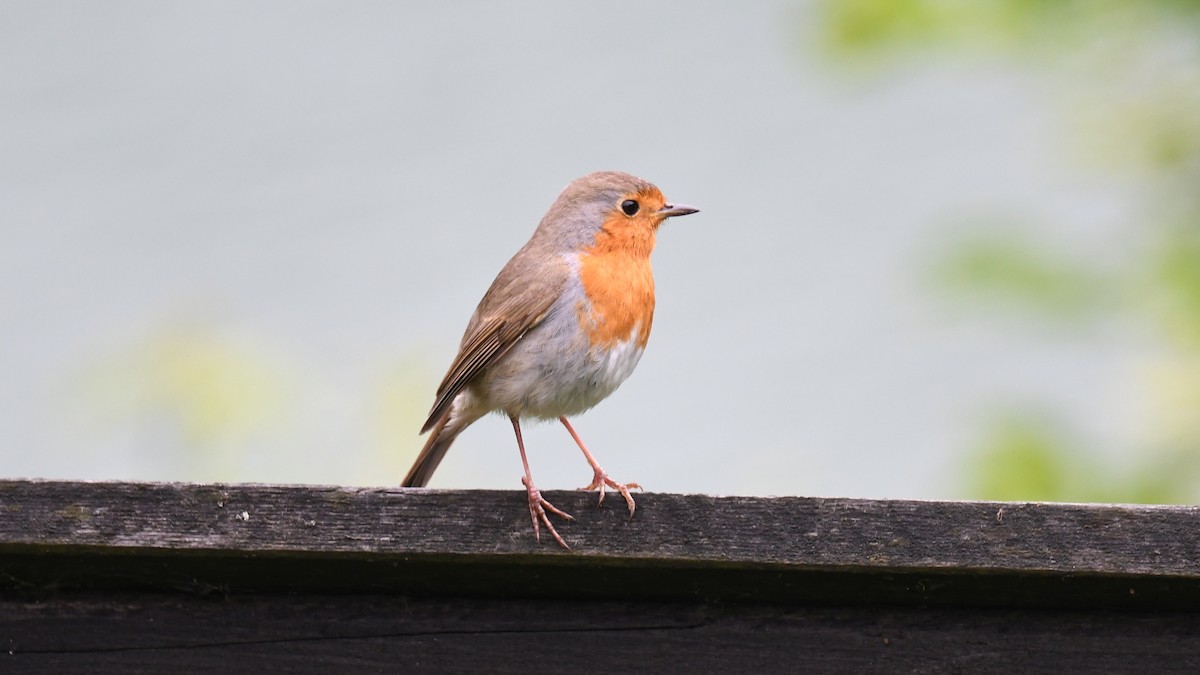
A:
(947, 250)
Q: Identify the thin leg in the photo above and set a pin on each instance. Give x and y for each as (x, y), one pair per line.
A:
(537, 505)
(600, 479)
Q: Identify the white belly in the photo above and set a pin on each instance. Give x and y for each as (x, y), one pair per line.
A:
(568, 384)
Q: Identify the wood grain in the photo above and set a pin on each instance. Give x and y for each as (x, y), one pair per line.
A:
(383, 633)
(139, 577)
(266, 531)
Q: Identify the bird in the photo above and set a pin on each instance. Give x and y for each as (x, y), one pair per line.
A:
(562, 326)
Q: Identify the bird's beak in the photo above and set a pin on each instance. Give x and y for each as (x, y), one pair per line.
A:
(677, 210)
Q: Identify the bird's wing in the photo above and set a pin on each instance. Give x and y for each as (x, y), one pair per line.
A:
(496, 327)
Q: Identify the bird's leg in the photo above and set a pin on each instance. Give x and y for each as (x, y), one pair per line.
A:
(600, 479)
(537, 505)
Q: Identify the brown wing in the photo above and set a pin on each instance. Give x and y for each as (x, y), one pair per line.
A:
(508, 311)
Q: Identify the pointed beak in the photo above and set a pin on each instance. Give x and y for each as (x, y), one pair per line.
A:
(671, 210)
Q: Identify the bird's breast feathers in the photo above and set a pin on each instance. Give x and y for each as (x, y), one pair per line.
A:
(618, 302)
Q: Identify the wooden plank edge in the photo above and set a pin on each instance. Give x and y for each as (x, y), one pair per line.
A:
(234, 538)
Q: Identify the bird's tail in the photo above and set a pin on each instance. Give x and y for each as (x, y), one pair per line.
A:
(440, 440)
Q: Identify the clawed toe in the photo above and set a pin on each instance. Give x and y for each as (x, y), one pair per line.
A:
(601, 482)
(537, 511)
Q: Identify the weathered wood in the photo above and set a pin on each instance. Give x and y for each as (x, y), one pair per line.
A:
(119, 577)
(1131, 555)
(386, 633)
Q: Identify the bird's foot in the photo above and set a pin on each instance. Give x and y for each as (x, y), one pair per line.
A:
(601, 482)
(537, 511)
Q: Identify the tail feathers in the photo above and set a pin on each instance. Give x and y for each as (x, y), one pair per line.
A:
(440, 440)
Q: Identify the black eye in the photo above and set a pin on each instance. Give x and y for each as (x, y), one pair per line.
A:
(629, 206)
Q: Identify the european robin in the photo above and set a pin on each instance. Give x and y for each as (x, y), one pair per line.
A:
(564, 323)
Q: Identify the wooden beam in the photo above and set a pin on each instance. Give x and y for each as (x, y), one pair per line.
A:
(250, 537)
(135, 577)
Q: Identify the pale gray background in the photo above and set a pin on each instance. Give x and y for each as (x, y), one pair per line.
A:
(325, 190)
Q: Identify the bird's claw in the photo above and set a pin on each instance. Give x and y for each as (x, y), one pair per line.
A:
(601, 482)
(537, 511)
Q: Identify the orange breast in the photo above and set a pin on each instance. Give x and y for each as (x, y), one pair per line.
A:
(617, 279)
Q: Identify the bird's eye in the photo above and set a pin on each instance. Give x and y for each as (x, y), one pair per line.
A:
(630, 207)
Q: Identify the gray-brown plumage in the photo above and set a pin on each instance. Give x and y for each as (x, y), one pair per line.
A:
(562, 325)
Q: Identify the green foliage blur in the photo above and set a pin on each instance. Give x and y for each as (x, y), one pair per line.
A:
(199, 395)
(1125, 75)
